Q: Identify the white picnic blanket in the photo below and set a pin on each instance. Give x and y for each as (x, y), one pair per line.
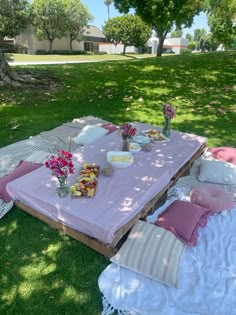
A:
(207, 279)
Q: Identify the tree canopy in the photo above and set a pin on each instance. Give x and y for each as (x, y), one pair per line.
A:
(13, 16)
(128, 29)
(163, 15)
(108, 3)
(221, 14)
(77, 17)
(177, 33)
(49, 19)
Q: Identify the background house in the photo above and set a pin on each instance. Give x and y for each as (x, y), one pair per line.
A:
(92, 37)
(170, 45)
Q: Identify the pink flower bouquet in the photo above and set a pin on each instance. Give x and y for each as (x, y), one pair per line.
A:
(128, 131)
(61, 165)
(169, 111)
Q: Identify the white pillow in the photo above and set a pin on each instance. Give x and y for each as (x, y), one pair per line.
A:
(217, 172)
(194, 171)
(90, 134)
(151, 251)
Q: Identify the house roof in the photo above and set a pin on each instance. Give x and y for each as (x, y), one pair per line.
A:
(93, 31)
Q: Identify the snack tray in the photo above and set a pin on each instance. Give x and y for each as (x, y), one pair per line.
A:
(155, 135)
(86, 182)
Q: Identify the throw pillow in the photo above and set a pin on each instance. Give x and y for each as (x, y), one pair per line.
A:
(226, 154)
(89, 134)
(110, 127)
(23, 168)
(183, 219)
(151, 251)
(211, 197)
(217, 172)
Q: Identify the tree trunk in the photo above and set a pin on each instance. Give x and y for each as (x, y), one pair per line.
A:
(6, 75)
(124, 49)
(71, 41)
(160, 45)
(50, 45)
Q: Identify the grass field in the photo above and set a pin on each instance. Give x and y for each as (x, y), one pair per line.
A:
(44, 272)
(88, 57)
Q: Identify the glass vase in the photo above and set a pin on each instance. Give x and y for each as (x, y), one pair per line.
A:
(166, 127)
(63, 189)
(125, 144)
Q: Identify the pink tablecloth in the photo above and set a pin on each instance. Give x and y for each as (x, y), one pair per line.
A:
(119, 197)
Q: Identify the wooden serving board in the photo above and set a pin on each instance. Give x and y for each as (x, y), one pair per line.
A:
(86, 183)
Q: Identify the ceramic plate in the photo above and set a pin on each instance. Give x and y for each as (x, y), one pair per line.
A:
(141, 139)
(134, 147)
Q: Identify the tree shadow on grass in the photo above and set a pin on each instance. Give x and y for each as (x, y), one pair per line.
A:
(53, 275)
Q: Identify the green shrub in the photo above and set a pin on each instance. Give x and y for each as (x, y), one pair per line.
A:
(185, 51)
(101, 53)
(60, 52)
(41, 52)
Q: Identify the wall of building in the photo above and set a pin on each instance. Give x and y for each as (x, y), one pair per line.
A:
(174, 44)
(28, 39)
(116, 49)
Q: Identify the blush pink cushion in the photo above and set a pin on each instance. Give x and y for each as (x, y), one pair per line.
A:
(183, 219)
(211, 197)
(226, 154)
(110, 127)
(22, 169)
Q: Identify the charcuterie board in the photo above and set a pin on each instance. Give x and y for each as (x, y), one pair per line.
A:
(86, 183)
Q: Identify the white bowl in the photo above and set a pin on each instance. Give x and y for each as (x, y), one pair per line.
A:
(120, 159)
(141, 139)
(134, 147)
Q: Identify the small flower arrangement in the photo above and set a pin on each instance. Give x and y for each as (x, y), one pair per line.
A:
(169, 111)
(61, 165)
(128, 131)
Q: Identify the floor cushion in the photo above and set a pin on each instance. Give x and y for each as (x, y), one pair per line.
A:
(110, 127)
(151, 251)
(226, 154)
(23, 168)
(211, 197)
(217, 172)
(89, 134)
(183, 219)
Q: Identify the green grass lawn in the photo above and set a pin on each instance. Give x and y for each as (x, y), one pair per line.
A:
(44, 272)
(88, 57)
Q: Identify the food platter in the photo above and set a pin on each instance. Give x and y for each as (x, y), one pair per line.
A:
(86, 183)
(155, 135)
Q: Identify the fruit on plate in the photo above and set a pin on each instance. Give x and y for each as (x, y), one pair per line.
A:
(86, 182)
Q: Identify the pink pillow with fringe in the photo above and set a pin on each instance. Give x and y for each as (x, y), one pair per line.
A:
(183, 219)
(225, 154)
(22, 169)
(110, 127)
(211, 197)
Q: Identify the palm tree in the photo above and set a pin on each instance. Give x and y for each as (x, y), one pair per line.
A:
(108, 3)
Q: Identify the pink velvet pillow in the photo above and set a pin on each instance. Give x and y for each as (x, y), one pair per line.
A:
(110, 127)
(22, 169)
(226, 154)
(183, 219)
(211, 197)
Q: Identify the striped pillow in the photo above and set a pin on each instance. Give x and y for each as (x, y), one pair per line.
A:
(151, 251)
